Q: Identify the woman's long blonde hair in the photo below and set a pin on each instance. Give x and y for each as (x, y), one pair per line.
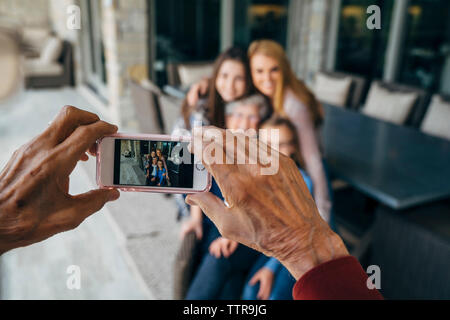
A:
(272, 49)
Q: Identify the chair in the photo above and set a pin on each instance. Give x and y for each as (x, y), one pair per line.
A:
(437, 118)
(409, 102)
(186, 74)
(10, 64)
(157, 112)
(146, 102)
(60, 72)
(350, 94)
(412, 249)
(184, 266)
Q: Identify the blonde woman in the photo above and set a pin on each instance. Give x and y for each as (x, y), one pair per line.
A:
(273, 76)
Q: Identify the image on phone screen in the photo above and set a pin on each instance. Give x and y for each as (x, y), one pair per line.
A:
(153, 163)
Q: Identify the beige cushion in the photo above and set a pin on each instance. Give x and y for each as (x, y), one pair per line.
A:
(437, 118)
(332, 90)
(389, 106)
(190, 74)
(10, 63)
(52, 50)
(35, 67)
(36, 38)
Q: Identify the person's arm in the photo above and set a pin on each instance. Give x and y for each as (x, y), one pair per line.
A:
(272, 264)
(165, 166)
(35, 203)
(194, 223)
(274, 214)
(196, 90)
(309, 147)
(338, 279)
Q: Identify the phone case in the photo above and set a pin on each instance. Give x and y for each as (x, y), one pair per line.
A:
(146, 189)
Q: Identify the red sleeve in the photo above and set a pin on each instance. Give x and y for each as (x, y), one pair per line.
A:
(339, 279)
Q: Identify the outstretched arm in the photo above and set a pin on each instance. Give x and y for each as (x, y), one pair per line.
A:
(274, 214)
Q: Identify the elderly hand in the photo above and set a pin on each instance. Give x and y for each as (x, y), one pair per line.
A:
(34, 199)
(274, 214)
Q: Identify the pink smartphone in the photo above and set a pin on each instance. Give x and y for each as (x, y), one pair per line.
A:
(150, 163)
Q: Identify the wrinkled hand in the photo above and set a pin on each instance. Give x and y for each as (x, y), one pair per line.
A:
(274, 214)
(265, 278)
(222, 246)
(34, 199)
(197, 89)
(190, 225)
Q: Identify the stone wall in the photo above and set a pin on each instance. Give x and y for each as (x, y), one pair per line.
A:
(30, 13)
(124, 28)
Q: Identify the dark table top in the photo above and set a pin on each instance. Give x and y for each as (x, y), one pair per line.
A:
(399, 166)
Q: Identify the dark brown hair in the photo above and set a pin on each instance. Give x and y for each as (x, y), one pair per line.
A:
(215, 110)
(280, 121)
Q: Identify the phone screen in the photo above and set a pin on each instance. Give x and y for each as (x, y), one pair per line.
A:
(153, 163)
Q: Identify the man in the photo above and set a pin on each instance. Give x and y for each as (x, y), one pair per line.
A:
(35, 204)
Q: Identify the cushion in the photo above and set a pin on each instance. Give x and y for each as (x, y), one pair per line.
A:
(437, 118)
(332, 90)
(35, 67)
(388, 105)
(10, 65)
(190, 74)
(36, 38)
(51, 50)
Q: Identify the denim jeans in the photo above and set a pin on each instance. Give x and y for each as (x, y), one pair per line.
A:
(282, 285)
(223, 278)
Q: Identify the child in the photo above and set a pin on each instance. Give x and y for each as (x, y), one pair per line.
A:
(153, 168)
(161, 175)
(268, 278)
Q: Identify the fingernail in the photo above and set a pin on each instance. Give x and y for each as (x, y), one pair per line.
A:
(189, 201)
(113, 195)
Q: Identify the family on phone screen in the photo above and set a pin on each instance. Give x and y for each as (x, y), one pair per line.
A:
(155, 167)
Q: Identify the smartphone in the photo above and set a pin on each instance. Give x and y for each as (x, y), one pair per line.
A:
(149, 163)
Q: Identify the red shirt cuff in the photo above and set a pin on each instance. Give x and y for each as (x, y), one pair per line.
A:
(338, 279)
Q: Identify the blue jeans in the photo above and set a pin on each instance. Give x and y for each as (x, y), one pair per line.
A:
(223, 278)
(282, 286)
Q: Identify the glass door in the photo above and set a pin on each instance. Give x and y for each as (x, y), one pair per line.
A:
(426, 54)
(360, 50)
(260, 19)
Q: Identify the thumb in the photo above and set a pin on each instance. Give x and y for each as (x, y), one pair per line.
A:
(254, 279)
(199, 232)
(211, 205)
(92, 201)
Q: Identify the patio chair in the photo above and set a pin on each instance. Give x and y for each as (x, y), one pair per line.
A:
(54, 67)
(412, 249)
(396, 103)
(184, 266)
(437, 118)
(157, 112)
(188, 73)
(340, 89)
(10, 65)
